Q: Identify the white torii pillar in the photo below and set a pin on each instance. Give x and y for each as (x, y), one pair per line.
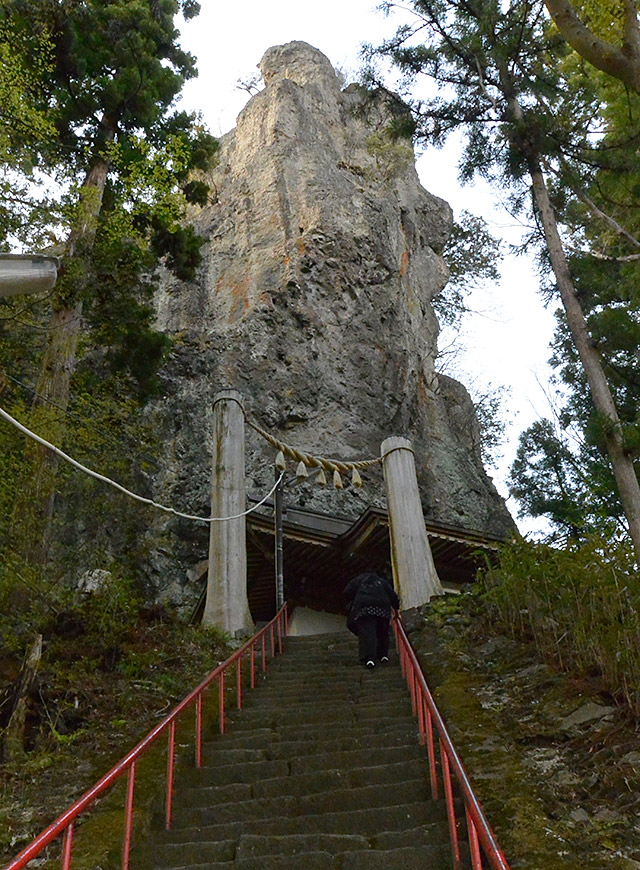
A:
(226, 605)
(414, 573)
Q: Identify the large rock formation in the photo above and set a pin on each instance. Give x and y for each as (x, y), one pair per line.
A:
(322, 257)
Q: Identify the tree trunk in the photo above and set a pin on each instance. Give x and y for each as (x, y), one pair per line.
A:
(33, 509)
(13, 743)
(621, 461)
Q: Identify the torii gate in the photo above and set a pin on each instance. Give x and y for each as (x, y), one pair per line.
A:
(414, 573)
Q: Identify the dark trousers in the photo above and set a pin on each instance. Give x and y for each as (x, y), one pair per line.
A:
(373, 638)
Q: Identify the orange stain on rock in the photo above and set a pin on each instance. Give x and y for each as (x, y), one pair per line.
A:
(404, 263)
(236, 291)
(422, 392)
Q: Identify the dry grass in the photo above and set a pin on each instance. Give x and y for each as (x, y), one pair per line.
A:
(580, 605)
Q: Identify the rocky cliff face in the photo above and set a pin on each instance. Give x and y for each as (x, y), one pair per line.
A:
(322, 256)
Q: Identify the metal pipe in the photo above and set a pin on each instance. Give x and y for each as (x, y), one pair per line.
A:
(451, 812)
(128, 817)
(199, 730)
(474, 844)
(27, 273)
(279, 553)
(222, 707)
(253, 665)
(67, 846)
(171, 760)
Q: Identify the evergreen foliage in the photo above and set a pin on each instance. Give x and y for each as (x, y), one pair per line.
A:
(604, 222)
(472, 254)
(560, 139)
(111, 167)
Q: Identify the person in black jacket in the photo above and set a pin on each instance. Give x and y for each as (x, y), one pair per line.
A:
(372, 597)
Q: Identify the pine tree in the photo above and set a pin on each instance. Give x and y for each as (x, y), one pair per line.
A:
(508, 83)
(126, 157)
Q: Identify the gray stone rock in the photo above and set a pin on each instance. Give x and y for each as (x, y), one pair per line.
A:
(94, 580)
(585, 715)
(632, 758)
(323, 254)
(532, 673)
(579, 815)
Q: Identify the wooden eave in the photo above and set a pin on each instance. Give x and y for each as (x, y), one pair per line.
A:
(322, 551)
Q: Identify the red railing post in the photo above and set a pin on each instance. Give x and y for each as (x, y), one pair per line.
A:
(199, 730)
(171, 758)
(264, 654)
(474, 844)
(239, 682)
(280, 635)
(222, 707)
(451, 810)
(403, 659)
(413, 679)
(67, 846)
(421, 716)
(431, 750)
(253, 665)
(272, 635)
(128, 816)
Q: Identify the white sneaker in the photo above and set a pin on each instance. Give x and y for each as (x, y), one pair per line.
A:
(384, 659)
(371, 664)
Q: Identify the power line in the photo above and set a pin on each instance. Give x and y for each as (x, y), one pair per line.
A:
(123, 489)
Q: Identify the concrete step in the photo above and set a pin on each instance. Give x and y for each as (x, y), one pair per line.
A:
(327, 637)
(296, 701)
(254, 846)
(245, 765)
(278, 694)
(392, 719)
(336, 667)
(311, 739)
(372, 682)
(309, 861)
(342, 715)
(310, 774)
(267, 847)
(210, 807)
(251, 770)
(375, 823)
(296, 784)
(276, 744)
(407, 858)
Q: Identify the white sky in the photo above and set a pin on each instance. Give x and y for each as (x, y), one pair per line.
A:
(507, 344)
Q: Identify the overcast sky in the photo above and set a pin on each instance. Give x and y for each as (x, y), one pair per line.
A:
(507, 342)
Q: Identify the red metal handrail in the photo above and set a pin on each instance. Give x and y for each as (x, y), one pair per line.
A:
(65, 824)
(482, 840)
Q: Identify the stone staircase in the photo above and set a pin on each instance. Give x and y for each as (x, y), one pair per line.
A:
(321, 770)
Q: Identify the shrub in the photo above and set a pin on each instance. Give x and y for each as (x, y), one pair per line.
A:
(579, 604)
